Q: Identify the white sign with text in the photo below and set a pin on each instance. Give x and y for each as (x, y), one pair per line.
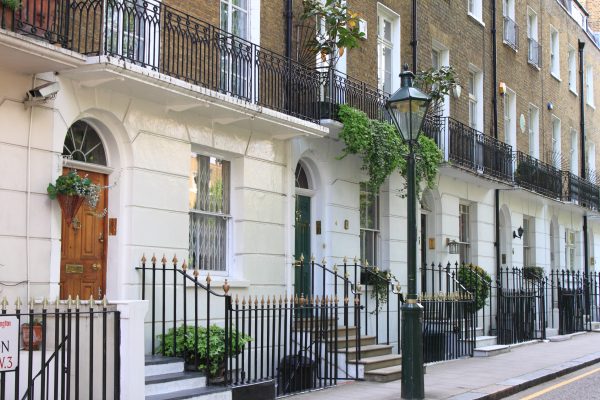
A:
(9, 343)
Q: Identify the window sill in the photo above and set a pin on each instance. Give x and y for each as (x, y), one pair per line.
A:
(534, 66)
(511, 46)
(477, 19)
(556, 76)
(573, 92)
(592, 106)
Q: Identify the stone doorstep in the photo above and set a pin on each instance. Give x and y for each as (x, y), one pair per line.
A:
(377, 362)
(568, 336)
(490, 351)
(367, 351)
(203, 393)
(386, 374)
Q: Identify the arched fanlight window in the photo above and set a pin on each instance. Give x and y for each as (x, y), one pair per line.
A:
(301, 177)
(83, 144)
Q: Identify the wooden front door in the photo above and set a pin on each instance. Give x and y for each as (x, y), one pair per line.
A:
(83, 252)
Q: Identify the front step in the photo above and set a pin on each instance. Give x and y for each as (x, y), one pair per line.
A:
(386, 374)
(157, 365)
(352, 341)
(377, 362)
(490, 351)
(366, 351)
(172, 382)
(484, 341)
(167, 380)
(203, 393)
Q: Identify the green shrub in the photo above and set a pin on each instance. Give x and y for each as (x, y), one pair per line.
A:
(185, 346)
(533, 272)
(476, 281)
(12, 4)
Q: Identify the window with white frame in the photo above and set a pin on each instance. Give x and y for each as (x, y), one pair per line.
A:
(510, 117)
(591, 161)
(532, 38)
(554, 53)
(234, 17)
(475, 9)
(569, 249)
(464, 232)
(510, 26)
(556, 145)
(574, 153)
(233, 69)
(388, 57)
(129, 35)
(475, 89)
(572, 62)
(528, 237)
(589, 85)
(534, 131)
(209, 212)
(369, 225)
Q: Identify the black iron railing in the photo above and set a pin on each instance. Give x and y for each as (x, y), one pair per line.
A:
(538, 176)
(534, 52)
(568, 294)
(450, 314)
(521, 306)
(581, 191)
(478, 152)
(511, 33)
(69, 349)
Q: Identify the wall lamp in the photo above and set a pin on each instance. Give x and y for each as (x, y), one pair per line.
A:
(453, 246)
(518, 233)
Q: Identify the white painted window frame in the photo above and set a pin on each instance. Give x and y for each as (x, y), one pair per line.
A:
(385, 13)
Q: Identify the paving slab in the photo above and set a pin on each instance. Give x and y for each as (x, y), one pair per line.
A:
(485, 378)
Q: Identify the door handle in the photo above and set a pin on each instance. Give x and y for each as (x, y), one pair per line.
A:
(101, 238)
(96, 267)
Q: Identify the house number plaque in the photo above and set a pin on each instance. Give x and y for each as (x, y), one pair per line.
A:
(74, 268)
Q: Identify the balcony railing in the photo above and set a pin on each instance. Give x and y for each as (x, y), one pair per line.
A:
(534, 54)
(481, 153)
(580, 191)
(538, 176)
(511, 33)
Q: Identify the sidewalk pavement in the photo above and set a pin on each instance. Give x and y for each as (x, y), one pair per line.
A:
(490, 378)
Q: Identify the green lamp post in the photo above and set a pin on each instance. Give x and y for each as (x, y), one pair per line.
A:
(407, 108)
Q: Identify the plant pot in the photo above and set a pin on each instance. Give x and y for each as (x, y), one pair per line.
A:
(69, 205)
(38, 336)
(6, 17)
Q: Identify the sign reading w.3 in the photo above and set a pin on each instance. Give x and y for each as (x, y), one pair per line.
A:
(9, 343)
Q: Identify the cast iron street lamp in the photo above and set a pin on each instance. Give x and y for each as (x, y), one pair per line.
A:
(407, 108)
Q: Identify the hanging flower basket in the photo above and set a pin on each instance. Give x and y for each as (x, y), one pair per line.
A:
(71, 190)
(69, 205)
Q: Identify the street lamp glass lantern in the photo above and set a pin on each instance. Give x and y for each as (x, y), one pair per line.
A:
(407, 107)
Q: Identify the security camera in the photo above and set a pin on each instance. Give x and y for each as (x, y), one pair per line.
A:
(44, 92)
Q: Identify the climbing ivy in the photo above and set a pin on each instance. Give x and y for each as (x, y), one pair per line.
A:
(383, 151)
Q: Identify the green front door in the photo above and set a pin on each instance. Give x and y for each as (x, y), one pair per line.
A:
(302, 247)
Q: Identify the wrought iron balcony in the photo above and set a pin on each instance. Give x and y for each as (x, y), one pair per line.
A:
(534, 55)
(511, 33)
(580, 191)
(158, 37)
(470, 148)
(538, 176)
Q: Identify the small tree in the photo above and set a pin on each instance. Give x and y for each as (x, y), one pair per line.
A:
(337, 29)
(437, 83)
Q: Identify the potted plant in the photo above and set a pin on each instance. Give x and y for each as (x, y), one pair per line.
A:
(185, 348)
(533, 273)
(72, 190)
(8, 11)
(38, 335)
(380, 282)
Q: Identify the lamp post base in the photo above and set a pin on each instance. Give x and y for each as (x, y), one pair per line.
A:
(413, 385)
